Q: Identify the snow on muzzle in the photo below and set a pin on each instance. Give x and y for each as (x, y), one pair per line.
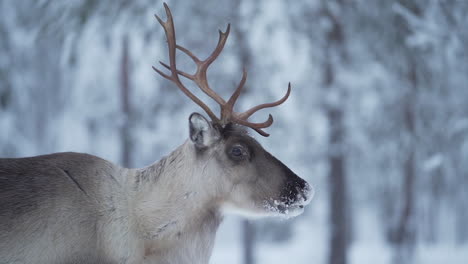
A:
(295, 196)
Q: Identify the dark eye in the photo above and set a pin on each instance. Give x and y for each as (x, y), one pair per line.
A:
(236, 151)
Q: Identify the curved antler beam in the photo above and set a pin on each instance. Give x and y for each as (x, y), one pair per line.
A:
(245, 115)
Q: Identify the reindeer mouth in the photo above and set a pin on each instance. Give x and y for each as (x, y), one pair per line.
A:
(292, 204)
(284, 209)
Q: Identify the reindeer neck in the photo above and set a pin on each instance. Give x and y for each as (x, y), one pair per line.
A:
(169, 197)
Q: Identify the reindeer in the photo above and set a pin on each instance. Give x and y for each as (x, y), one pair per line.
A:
(78, 208)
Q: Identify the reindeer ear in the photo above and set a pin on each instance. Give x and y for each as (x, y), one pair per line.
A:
(202, 132)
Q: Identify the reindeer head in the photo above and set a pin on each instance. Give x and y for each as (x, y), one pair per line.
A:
(248, 178)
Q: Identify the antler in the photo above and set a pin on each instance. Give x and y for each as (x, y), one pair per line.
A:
(200, 79)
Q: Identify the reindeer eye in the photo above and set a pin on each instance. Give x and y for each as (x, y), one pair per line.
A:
(237, 151)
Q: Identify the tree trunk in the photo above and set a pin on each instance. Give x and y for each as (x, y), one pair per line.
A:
(248, 239)
(337, 183)
(461, 219)
(125, 135)
(338, 194)
(404, 233)
(404, 236)
(337, 190)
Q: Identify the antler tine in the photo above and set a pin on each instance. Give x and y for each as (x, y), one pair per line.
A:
(190, 54)
(256, 126)
(261, 132)
(227, 108)
(200, 77)
(186, 75)
(245, 115)
(244, 122)
(174, 77)
(227, 113)
(223, 36)
(171, 39)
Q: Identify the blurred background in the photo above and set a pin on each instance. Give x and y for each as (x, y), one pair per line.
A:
(377, 120)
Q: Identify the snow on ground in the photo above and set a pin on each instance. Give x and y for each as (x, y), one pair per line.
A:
(310, 240)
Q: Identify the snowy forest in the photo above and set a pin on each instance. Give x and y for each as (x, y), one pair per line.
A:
(377, 119)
